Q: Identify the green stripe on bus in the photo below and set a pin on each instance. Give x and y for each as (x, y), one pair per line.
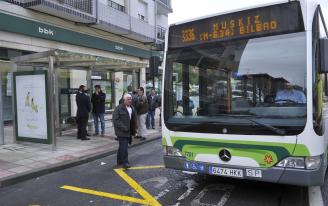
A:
(164, 143)
(281, 150)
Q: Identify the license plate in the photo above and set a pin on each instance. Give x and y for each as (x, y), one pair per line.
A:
(226, 172)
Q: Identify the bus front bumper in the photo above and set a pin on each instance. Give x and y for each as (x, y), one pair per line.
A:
(280, 175)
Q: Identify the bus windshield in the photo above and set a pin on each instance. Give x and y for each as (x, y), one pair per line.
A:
(252, 86)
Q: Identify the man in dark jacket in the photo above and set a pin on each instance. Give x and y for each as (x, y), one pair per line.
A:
(152, 105)
(98, 109)
(83, 110)
(142, 109)
(125, 120)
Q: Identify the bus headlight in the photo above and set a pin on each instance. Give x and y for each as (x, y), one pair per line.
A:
(313, 163)
(292, 162)
(171, 151)
(310, 163)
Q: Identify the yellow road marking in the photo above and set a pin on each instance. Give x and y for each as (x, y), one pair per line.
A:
(146, 167)
(105, 194)
(150, 199)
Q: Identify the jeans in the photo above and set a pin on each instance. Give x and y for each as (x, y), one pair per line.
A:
(122, 152)
(150, 119)
(100, 116)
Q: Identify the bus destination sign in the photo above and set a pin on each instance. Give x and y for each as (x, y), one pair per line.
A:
(259, 22)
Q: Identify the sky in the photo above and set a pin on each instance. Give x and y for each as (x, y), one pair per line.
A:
(187, 9)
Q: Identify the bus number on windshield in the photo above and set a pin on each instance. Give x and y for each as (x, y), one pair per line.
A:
(188, 35)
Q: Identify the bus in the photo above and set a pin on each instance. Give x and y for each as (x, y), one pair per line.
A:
(245, 94)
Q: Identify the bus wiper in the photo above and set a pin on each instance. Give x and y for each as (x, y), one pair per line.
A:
(274, 129)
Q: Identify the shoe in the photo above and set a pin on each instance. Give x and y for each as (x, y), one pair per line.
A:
(88, 135)
(126, 166)
(137, 137)
(95, 134)
(143, 138)
(153, 127)
(83, 139)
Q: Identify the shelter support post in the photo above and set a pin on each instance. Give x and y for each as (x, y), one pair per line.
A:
(2, 133)
(52, 98)
(134, 79)
(89, 86)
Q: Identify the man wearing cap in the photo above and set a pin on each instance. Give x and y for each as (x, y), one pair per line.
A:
(82, 114)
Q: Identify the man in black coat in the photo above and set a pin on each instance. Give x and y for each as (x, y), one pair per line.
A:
(83, 110)
(98, 109)
(125, 125)
(153, 103)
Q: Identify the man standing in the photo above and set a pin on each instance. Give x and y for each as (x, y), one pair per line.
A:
(125, 120)
(142, 107)
(152, 105)
(83, 110)
(98, 109)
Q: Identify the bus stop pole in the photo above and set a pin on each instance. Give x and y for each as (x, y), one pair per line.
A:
(2, 136)
(52, 96)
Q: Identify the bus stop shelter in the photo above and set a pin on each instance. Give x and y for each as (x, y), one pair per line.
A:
(53, 62)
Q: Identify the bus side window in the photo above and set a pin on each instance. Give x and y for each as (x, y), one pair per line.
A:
(325, 84)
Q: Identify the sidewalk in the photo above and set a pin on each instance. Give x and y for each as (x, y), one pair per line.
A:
(22, 161)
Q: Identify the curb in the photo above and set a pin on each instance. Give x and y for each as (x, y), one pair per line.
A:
(63, 165)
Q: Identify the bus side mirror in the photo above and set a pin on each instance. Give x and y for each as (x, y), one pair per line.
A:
(324, 55)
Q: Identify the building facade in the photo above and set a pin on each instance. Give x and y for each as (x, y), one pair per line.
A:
(106, 42)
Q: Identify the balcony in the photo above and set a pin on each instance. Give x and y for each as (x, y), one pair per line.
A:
(164, 6)
(141, 30)
(74, 10)
(114, 19)
(160, 31)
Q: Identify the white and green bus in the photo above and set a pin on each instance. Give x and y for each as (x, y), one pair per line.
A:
(244, 94)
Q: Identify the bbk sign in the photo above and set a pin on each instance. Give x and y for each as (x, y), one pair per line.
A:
(46, 31)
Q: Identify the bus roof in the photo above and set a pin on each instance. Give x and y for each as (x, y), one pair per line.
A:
(229, 11)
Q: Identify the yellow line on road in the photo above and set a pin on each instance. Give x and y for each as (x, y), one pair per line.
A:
(105, 194)
(150, 199)
(146, 167)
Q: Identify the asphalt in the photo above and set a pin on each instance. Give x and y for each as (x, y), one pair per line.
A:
(169, 187)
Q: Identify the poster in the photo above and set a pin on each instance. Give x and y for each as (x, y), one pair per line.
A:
(31, 106)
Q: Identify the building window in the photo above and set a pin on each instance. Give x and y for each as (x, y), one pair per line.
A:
(142, 10)
(116, 6)
(142, 17)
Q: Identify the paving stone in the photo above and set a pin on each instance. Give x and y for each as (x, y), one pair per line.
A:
(25, 162)
(38, 164)
(6, 173)
(20, 169)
